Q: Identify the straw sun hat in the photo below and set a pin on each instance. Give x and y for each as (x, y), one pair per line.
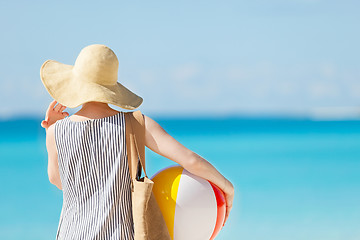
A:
(93, 77)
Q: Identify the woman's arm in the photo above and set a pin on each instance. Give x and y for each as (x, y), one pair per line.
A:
(159, 141)
(53, 113)
(53, 167)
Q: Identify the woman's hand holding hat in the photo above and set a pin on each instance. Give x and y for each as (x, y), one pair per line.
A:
(53, 114)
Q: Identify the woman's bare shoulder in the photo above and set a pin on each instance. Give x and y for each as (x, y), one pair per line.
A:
(50, 138)
(51, 129)
(151, 125)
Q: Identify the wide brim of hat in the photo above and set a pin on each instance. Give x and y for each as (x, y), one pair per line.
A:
(62, 85)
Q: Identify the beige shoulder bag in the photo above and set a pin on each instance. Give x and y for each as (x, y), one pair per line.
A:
(149, 223)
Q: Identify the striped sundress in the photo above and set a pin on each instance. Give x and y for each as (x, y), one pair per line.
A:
(95, 179)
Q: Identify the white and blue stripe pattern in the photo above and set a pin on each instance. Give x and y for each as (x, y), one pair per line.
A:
(95, 179)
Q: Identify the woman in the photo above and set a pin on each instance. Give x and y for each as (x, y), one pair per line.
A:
(86, 151)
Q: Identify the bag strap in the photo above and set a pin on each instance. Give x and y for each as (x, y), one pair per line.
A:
(135, 142)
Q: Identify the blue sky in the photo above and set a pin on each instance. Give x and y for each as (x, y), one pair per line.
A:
(297, 57)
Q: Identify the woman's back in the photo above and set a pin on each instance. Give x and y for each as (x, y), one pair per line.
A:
(95, 179)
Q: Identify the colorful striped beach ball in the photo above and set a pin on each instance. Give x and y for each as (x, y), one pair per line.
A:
(193, 208)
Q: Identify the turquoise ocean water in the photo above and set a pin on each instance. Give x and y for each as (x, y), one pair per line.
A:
(294, 178)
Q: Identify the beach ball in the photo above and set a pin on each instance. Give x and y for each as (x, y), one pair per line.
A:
(193, 207)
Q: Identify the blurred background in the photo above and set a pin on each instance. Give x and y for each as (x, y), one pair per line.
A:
(267, 91)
